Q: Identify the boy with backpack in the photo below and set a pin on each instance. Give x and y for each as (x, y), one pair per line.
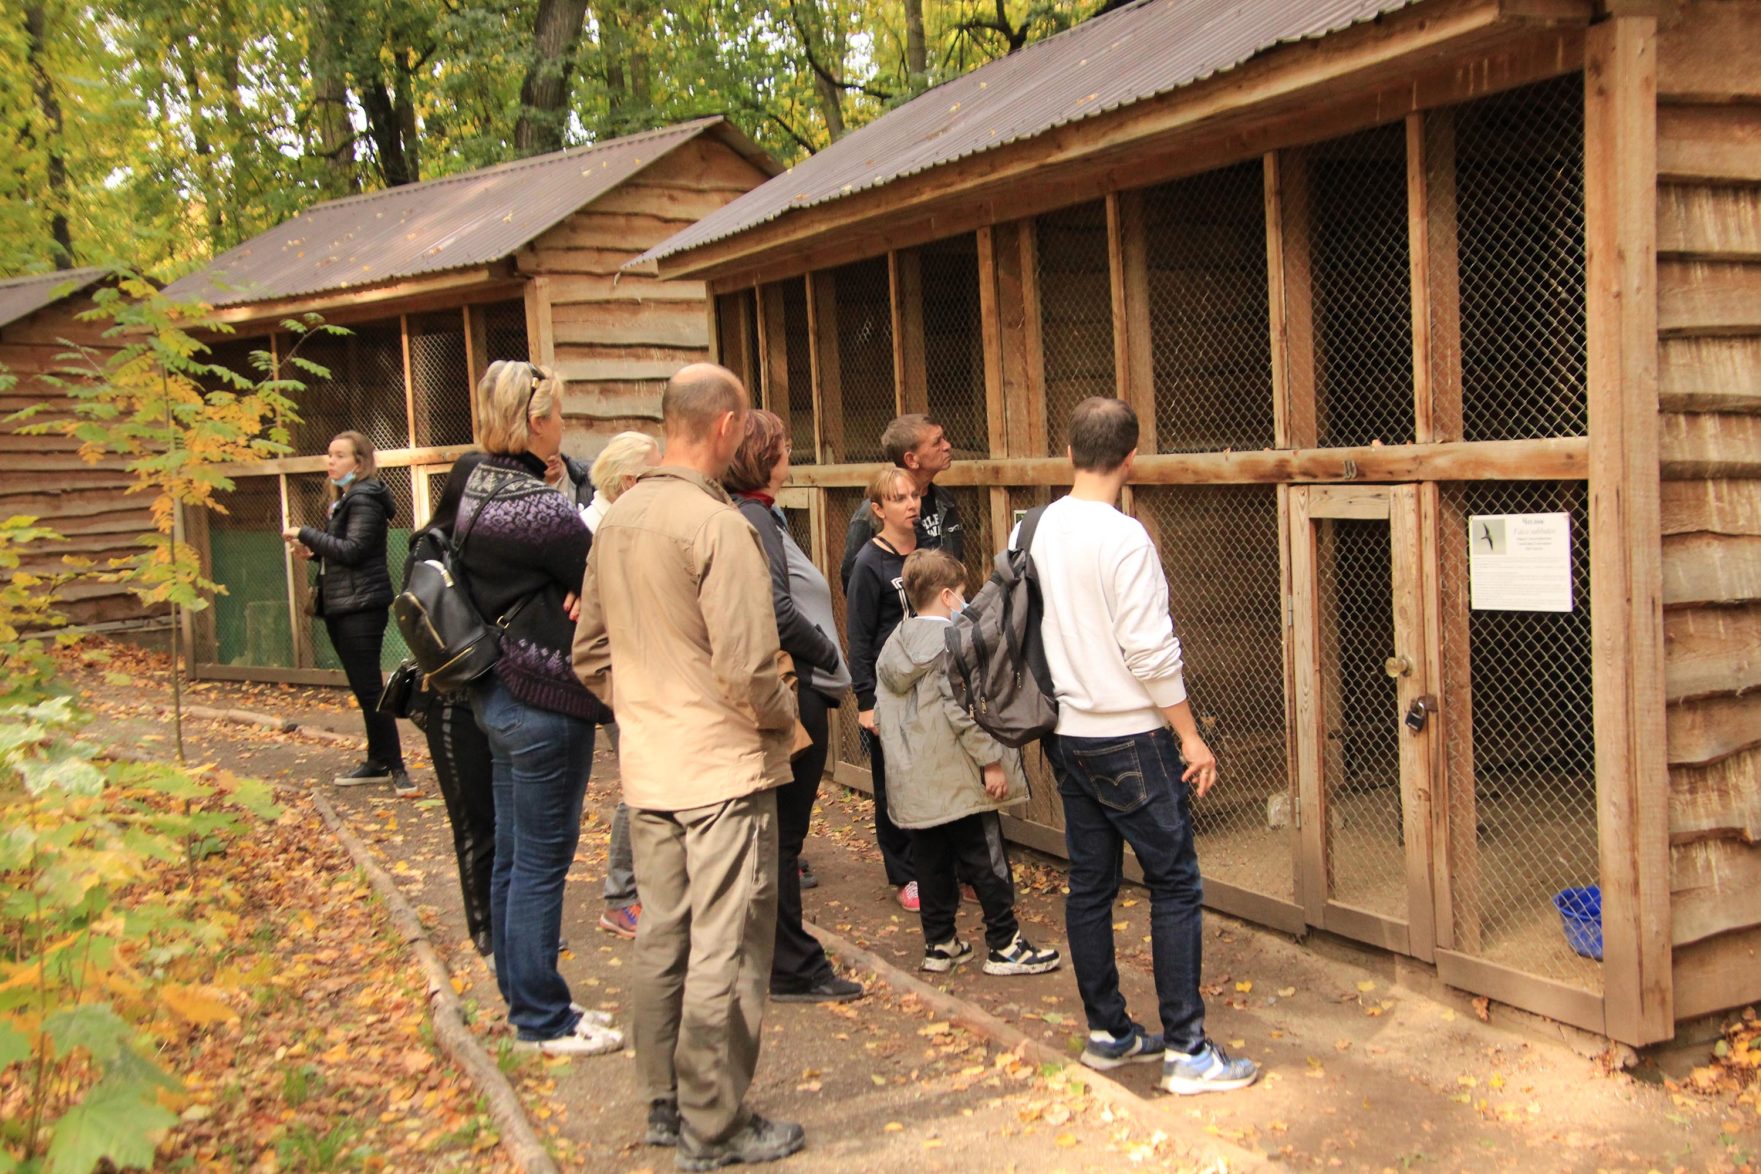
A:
(947, 779)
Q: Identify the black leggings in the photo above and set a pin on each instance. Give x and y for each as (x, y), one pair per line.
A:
(464, 767)
(357, 637)
(799, 960)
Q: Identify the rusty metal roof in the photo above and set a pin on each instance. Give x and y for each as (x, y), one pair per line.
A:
(1111, 61)
(454, 222)
(26, 295)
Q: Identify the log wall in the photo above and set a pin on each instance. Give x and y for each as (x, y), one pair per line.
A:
(45, 476)
(617, 336)
(1709, 387)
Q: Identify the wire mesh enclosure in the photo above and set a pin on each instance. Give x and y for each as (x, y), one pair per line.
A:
(364, 391)
(252, 622)
(797, 363)
(736, 329)
(504, 331)
(952, 357)
(1519, 195)
(440, 380)
(1076, 313)
(1205, 249)
(1360, 707)
(1522, 777)
(234, 354)
(1360, 275)
(1229, 615)
(862, 316)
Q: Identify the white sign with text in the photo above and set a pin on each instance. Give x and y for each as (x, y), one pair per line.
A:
(1520, 562)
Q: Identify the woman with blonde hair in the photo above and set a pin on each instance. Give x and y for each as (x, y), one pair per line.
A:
(624, 458)
(523, 550)
(354, 593)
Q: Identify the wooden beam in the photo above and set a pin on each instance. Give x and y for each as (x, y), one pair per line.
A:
(387, 459)
(1436, 275)
(1133, 353)
(1711, 729)
(403, 331)
(1708, 297)
(1521, 988)
(476, 358)
(1721, 144)
(488, 283)
(1719, 974)
(1626, 579)
(1313, 889)
(990, 322)
(1709, 54)
(1033, 404)
(1704, 223)
(1290, 288)
(773, 352)
(1710, 375)
(1418, 780)
(828, 396)
(1011, 427)
(1712, 507)
(910, 373)
(1711, 568)
(1701, 445)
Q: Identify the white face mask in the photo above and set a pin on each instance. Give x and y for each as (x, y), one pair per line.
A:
(344, 481)
(955, 608)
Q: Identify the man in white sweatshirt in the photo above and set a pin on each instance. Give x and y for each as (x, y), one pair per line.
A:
(1123, 777)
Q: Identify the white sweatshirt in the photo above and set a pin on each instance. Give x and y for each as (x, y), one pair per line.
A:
(1109, 638)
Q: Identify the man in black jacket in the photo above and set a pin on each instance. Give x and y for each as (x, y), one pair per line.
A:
(919, 445)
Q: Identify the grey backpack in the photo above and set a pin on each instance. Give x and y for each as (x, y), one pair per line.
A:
(996, 659)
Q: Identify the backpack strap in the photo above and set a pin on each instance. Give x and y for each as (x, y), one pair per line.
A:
(1029, 523)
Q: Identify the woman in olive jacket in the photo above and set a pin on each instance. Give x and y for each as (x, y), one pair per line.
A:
(354, 593)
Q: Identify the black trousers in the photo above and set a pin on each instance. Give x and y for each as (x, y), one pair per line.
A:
(357, 638)
(969, 848)
(894, 841)
(799, 960)
(465, 769)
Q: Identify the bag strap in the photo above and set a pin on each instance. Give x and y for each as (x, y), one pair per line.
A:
(459, 543)
(1029, 523)
(506, 617)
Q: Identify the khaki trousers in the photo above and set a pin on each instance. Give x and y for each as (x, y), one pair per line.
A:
(708, 879)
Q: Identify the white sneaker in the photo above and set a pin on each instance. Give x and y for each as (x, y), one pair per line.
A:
(588, 1039)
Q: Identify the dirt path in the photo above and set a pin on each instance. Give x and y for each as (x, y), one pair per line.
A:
(1370, 1063)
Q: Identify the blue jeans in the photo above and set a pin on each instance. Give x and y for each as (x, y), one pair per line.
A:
(542, 760)
(1127, 790)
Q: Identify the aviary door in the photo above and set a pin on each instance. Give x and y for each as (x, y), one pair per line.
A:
(1363, 704)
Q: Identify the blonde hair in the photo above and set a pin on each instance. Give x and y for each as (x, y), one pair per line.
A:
(366, 464)
(882, 488)
(624, 455)
(510, 395)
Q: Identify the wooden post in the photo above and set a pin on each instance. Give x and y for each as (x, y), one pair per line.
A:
(1128, 267)
(828, 396)
(773, 351)
(1290, 290)
(1626, 601)
(1032, 403)
(1309, 734)
(990, 321)
(540, 336)
(910, 378)
(1436, 275)
(293, 568)
(1407, 548)
(403, 326)
(1454, 813)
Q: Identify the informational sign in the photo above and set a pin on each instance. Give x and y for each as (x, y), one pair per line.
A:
(1520, 562)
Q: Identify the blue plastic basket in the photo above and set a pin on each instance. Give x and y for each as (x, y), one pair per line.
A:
(1580, 911)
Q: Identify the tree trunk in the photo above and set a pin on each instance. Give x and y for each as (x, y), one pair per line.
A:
(36, 22)
(333, 132)
(544, 97)
(916, 52)
(385, 126)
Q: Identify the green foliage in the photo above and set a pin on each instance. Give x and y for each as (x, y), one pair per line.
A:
(27, 606)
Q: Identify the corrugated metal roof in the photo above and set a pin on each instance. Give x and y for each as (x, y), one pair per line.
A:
(1103, 64)
(450, 223)
(26, 295)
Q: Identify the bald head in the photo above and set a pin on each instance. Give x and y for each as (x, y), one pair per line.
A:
(698, 399)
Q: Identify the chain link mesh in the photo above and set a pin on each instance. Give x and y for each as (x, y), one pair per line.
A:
(1362, 282)
(1076, 313)
(504, 332)
(1519, 191)
(1206, 253)
(1360, 708)
(252, 625)
(234, 354)
(736, 326)
(863, 294)
(798, 360)
(365, 390)
(1229, 615)
(1522, 778)
(953, 343)
(440, 385)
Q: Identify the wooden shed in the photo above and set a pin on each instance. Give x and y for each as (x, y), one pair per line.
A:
(434, 281)
(44, 476)
(1443, 319)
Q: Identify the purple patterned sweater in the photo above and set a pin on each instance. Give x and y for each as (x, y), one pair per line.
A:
(529, 544)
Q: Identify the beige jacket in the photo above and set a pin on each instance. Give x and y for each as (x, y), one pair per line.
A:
(676, 610)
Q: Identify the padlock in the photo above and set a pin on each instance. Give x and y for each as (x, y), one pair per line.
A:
(1419, 713)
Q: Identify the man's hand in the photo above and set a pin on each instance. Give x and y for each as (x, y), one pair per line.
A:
(1201, 765)
(996, 783)
(865, 719)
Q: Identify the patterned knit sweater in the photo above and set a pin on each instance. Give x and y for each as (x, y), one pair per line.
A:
(527, 542)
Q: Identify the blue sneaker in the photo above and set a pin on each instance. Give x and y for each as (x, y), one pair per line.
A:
(1137, 1046)
(1210, 1069)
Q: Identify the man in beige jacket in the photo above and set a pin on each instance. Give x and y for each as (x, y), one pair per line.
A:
(678, 635)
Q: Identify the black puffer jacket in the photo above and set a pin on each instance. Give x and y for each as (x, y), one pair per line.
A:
(353, 576)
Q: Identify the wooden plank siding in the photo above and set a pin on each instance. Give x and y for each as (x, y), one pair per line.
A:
(1709, 392)
(45, 477)
(617, 335)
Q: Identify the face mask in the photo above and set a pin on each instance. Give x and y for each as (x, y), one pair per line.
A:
(955, 608)
(344, 481)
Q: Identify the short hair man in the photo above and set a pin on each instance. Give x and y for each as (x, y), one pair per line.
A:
(1117, 671)
(677, 626)
(920, 446)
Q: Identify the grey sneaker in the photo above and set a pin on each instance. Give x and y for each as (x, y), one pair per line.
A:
(759, 1140)
(1137, 1046)
(367, 772)
(1021, 957)
(402, 784)
(1210, 1069)
(663, 1122)
(943, 958)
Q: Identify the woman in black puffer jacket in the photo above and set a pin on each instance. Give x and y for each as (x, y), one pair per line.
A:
(354, 593)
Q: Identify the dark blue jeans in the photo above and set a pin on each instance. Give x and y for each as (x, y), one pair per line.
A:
(542, 760)
(1127, 790)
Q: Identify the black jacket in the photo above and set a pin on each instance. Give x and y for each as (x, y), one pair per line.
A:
(938, 528)
(799, 636)
(353, 576)
(877, 605)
